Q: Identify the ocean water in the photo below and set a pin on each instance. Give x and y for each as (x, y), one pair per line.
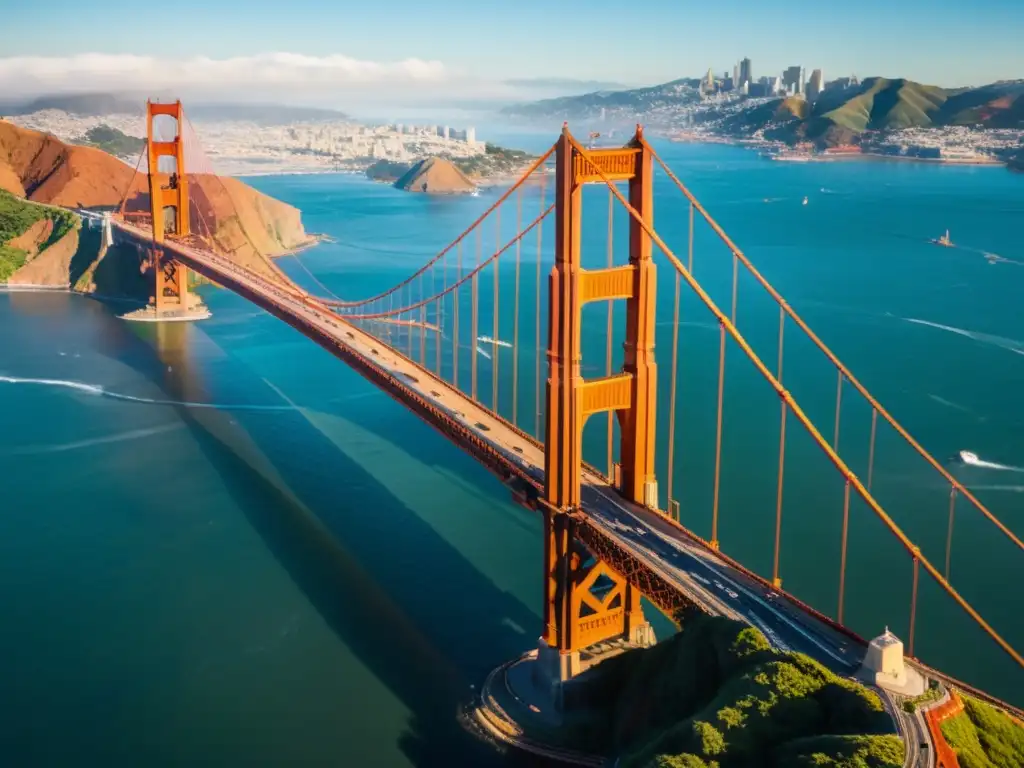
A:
(220, 545)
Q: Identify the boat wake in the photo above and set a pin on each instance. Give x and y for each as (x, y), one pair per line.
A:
(97, 391)
(973, 460)
(1011, 345)
(119, 437)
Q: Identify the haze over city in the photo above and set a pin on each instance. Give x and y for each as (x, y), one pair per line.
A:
(410, 54)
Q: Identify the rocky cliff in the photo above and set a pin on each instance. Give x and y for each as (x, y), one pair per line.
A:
(40, 168)
(435, 176)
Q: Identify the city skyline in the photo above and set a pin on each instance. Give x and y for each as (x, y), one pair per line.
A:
(412, 51)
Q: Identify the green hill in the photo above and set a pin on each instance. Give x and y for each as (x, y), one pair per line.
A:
(113, 142)
(884, 104)
(839, 115)
(717, 694)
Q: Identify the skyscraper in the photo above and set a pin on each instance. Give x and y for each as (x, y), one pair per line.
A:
(746, 72)
(815, 85)
(736, 75)
(792, 80)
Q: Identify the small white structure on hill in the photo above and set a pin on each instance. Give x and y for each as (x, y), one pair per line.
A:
(883, 662)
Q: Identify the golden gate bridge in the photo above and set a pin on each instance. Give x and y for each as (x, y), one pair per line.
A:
(615, 533)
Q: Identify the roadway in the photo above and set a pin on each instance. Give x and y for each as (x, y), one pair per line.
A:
(662, 547)
(713, 584)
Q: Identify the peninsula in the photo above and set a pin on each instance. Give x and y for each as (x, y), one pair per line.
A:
(878, 115)
(44, 245)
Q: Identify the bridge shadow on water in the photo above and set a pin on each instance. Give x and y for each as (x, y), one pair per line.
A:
(413, 610)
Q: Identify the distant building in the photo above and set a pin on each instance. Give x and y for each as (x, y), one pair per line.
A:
(746, 72)
(709, 82)
(815, 85)
(736, 75)
(884, 660)
(792, 79)
(883, 666)
(471, 134)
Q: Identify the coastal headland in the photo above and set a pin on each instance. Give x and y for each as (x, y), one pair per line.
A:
(44, 245)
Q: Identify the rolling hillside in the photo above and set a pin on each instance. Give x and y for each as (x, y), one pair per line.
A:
(838, 116)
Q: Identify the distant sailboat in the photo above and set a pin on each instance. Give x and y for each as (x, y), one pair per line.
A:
(805, 200)
(944, 240)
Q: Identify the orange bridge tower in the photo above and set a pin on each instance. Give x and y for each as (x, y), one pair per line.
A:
(585, 602)
(169, 207)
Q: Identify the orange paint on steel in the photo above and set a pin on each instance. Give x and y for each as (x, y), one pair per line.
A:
(672, 397)
(496, 319)
(536, 387)
(718, 436)
(871, 449)
(423, 334)
(842, 553)
(456, 285)
(440, 312)
(455, 319)
(638, 426)
(835, 360)
(778, 497)
(408, 323)
(563, 420)
(735, 280)
(465, 233)
(515, 316)
(836, 460)
(609, 334)
(913, 609)
(131, 183)
(690, 247)
(782, 455)
(949, 529)
(839, 404)
(474, 318)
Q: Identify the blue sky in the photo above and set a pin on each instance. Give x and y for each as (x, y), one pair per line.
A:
(471, 44)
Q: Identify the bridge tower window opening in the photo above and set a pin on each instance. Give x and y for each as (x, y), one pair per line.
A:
(168, 200)
(576, 615)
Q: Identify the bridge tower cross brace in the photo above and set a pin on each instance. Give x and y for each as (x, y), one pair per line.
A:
(575, 616)
(168, 194)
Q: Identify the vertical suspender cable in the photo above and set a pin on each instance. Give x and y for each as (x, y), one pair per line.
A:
(536, 370)
(496, 317)
(515, 317)
(782, 460)
(672, 397)
(474, 319)
(455, 317)
(718, 436)
(608, 348)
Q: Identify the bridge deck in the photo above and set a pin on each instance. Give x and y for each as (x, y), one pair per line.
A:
(669, 566)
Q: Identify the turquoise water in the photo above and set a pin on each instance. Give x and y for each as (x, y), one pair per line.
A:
(221, 545)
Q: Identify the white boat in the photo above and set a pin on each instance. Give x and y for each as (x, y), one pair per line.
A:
(805, 201)
(967, 457)
(495, 342)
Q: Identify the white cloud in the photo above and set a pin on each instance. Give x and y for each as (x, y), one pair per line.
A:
(125, 72)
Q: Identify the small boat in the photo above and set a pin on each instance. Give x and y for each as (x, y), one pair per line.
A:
(496, 342)
(944, 240)
(805, 200)
(967, 457)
